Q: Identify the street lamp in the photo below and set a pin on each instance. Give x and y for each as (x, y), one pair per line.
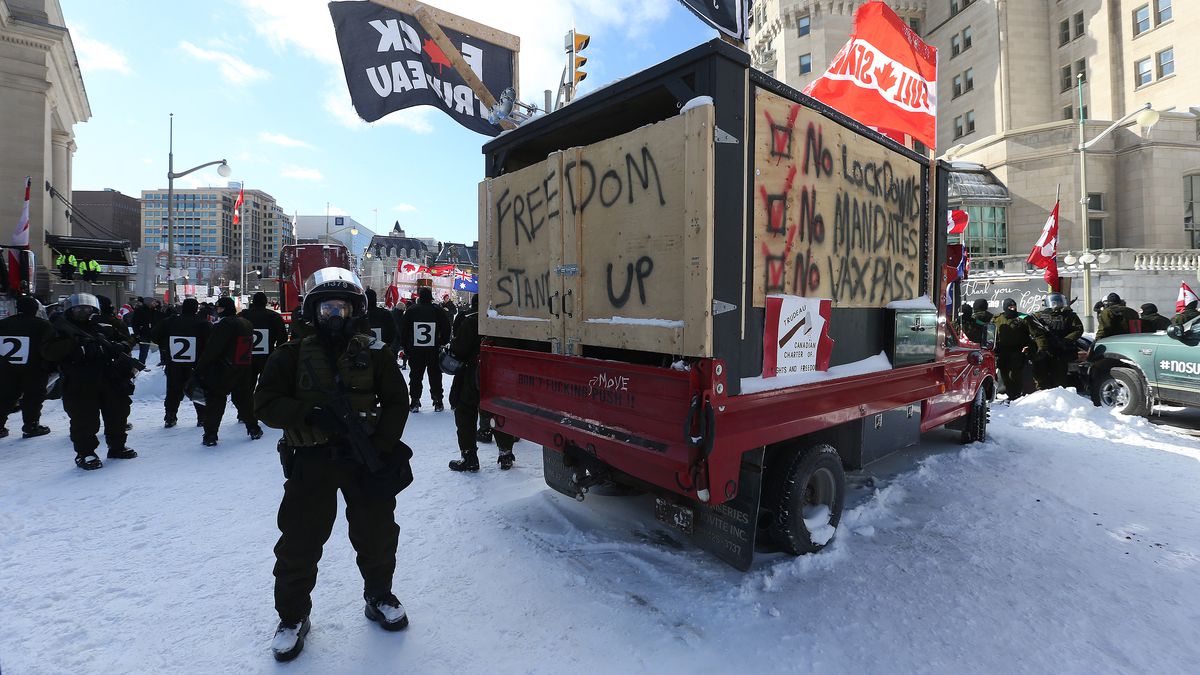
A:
(223, 170)
(1146, 117)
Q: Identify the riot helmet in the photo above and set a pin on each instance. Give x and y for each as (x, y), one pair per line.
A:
(1113, 299)
(980, 305)
(1054, 300)
(81, 307)
(333, 297)
(1149, 308)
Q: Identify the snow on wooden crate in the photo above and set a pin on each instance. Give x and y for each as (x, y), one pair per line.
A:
(609, 243)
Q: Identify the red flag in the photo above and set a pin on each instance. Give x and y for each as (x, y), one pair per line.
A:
(1045, 251)
(956, 221)
(237, 206)
(1186, 297)
(884, 77)
(21, 235)
(391, 296)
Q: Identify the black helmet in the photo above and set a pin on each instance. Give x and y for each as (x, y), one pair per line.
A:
(81, 307)
(1113, 299)
(1149, 308)
(259, 299)
(28, 305)
(331, 283)
(425, 295)
(1056, 300)
(980, 305)
(1008, 304)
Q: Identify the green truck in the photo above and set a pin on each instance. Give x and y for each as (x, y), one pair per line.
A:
(1132, 373)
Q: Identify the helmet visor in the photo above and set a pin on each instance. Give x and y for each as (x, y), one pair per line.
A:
(1056, 300)
(81, 313)
(328, 309)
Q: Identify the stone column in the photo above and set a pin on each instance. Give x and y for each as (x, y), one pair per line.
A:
(61, 180)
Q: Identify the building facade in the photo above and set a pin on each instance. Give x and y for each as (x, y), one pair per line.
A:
(107, 214)
(386, 250)
(1014, 79)
(42, 98)
(208, 245)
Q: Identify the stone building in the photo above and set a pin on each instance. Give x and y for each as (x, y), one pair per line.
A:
(107, 214)
(1014, 79)
(385, 250)
(42, 98)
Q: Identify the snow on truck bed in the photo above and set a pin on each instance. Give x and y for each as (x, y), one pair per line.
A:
(1067, 543)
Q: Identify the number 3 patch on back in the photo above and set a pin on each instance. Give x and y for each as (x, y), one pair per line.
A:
(15, 349)
(423, 333)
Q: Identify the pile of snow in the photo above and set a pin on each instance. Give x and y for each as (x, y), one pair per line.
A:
(1069, 542)
(631, 321)
(922, 302)
(871, 364)
(696, 103)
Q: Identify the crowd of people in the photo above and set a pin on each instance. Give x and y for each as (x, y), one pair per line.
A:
(1050, 339)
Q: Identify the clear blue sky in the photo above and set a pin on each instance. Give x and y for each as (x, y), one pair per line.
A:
(259, 82)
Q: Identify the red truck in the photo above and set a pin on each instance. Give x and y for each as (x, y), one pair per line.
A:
(702, 284)
(297, 262)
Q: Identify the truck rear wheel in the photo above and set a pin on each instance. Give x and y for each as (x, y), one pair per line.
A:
(806, 496)
(1122, 389)
(975, 426)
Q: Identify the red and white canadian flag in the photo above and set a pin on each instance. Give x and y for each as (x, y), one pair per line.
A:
(1186, 297)
(956, 221)
(884, 77)
(21, 234)
(237, 206)
(1045, 251)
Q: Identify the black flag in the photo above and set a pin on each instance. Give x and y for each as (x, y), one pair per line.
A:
(727, 16)
(391, 63)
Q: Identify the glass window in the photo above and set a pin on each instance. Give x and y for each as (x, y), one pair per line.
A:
(1141, 20)
(1083, 112)
(1164, 10)
(1078, 24)
(1166, 62)
(966, 38)
(987, 230)
(1068, 112)
(969, 79)
(1142, 74)
(1095, 201)
(1081, 70)
(803, 25)
(954, 9)
(1064, 32)
(1095, 233)
(958, 127)
(1191, 207)
(805, 63)
(915, 24)
(1065, 78)
(958, 86)
(970, 117)
(955, 45)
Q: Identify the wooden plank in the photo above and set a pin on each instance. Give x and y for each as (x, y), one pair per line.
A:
(521, 235)
(458, 23)
(629, 195)
(836, 215)
(430, 24)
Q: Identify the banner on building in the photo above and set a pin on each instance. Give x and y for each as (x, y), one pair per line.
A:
(731, 17)
(884, 77)
(391, 61)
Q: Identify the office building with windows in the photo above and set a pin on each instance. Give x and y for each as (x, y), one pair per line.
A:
(1011, 76)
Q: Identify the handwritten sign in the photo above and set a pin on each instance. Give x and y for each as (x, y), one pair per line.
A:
(836, 215)
(1029, 292)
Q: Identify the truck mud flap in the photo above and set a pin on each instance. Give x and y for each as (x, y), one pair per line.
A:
(727, 530)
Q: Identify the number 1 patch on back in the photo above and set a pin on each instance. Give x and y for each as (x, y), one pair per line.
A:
(15, 349)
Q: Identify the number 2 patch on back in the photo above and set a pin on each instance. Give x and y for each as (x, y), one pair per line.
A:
(262, 342)
(15, 349)
(183, 349)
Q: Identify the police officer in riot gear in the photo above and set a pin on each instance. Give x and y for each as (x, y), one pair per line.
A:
(975, 325)
(324, 391)
(97, 379)
(181, 338)
(225, 369)
(425, 329)
(1116, 318)
(382, 325)
(1054, 330)
(1012, 342)
(1152, 321)
(23, 370)
(269, 332)
(464, 396)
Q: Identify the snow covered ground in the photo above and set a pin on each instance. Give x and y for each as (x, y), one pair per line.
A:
(1068, 543)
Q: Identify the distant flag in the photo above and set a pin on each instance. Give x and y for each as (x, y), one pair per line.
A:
(964, 264)
(956, 221)
(1186, 297)
(466, 282)
(21, 235)
(237, 206)
(1045, 251)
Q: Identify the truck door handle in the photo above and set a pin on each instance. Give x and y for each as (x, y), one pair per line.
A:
(552, 299)
(1147, 352)
(570, 294)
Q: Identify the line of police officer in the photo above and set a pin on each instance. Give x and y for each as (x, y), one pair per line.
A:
(1049, 338)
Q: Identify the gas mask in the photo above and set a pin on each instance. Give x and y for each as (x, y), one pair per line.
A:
(335, 316)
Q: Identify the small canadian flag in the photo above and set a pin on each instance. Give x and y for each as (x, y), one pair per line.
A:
(237, 206)
(956, 221)
(1186, 297)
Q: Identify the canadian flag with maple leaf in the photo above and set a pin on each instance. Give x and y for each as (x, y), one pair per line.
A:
(237, 206)
(884, 77)
(956, 221)
(1045, 251)
(1186, 297)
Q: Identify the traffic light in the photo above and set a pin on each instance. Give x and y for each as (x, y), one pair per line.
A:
(579, 42)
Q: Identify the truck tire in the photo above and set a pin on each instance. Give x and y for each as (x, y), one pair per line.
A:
(808, 486)
(1122, 389)
(975, 426)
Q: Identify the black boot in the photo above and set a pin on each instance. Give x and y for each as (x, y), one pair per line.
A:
(415, 407)
(469, 462)
(255, 432)
(88, 462)
(386, 611)
(437, 406)
(209, 440)
(483, 436)
(289, 639)
(121, 453)
(170, 421)
(3, 432)
(506, 460)
(35, 430)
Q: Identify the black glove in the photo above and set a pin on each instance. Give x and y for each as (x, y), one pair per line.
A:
(323, 419)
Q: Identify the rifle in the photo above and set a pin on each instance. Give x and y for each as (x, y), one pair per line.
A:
(348, 420)
(1056, 341)
(112, 351)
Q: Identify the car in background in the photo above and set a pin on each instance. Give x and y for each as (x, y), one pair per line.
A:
(1132, 373)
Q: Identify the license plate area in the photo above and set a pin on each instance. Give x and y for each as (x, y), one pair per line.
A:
(681, 518)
